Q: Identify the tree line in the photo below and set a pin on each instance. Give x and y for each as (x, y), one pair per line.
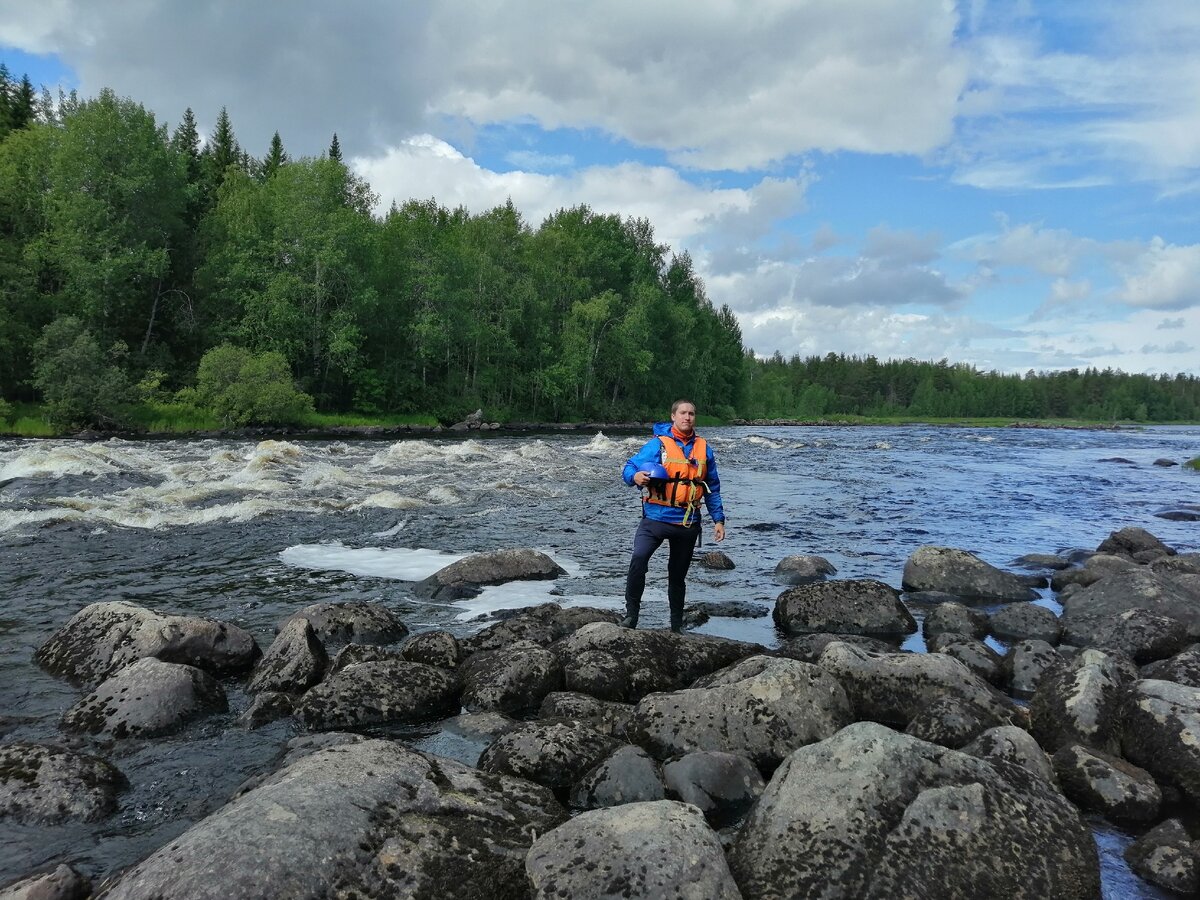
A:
(142, 264)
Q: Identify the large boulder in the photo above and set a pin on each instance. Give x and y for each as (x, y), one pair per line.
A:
(663, 850)
(803, 569)
(1107, 784)
(295, 661)
(603, 715)
(1141, 635)
(953, 722)
(543, 625)
(46, 785)
(1182, 668)
(1165, 595)
(1081, 702)
(434, 648)
(60, 883)
(554, 754)
(365, 819)
(1010, 745)
(954, 618)
(104, 637)
(975, 655)
(146, 699)
(355, 622)
(1129, 541)
(1026, 663)
(856, 606)
(513, 680)
(627, 775)
(873, 813)
(723, 786)
(1167, 856)
(760, 708)
(809, 647)
(468, 576)
(962, 573)
(894, 687)
(1025, 622)
(1162, 733)
(372, 693)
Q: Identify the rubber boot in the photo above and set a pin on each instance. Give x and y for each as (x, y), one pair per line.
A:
(677, 621)
(631, 616)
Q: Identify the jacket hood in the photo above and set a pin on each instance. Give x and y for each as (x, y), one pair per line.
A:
(664, 428)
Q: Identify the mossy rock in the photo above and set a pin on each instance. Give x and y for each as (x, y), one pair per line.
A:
(1193, 463)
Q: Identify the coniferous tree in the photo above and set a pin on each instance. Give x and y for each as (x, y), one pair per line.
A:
(220, 153)
(335, 148)
(275, 159)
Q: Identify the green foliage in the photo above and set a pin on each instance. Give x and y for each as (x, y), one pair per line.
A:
(82, 384)
(245, 388)
(6, 410)
(1193, 463)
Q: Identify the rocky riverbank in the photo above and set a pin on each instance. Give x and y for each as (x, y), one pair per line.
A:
(641, 763)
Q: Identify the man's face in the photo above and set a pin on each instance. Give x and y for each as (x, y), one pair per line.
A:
(684, 418)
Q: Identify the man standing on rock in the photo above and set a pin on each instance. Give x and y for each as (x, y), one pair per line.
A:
(675, 470)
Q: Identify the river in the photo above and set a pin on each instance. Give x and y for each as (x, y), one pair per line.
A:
(248, 532)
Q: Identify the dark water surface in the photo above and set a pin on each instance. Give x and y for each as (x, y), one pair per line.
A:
(249, 532)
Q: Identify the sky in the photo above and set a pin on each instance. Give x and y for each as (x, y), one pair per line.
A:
(1014, 185)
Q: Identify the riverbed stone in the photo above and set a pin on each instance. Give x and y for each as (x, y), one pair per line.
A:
(599, 674)
(731, 609)
(874, 813)
(367, 819)
(1082, 702)
(352, 654)
(1132, 540)
(803, 569)
(354, 622)
(373, 693)
(514, 679)
(1141, 635)
(1011, 745)
(1182, 668)
(1024, 622)
(975, 655)
(963, 573)
(146, 699)
(434, 648)
(893, 688)
(60, 883)
(721, 785)
(809, 647)
(41, 784)
(953, 722)
(762, 708)
(954, 617)
(1182, 564)
(854, 606)
(543, 624)
(468, 576)
(1167, 856)
(104, 637)
(716, 559)
(1026, 663)
(1174, 596)
(1106, 784)
(1050, 561)
(295, 661)
(627, 775)
(605, 716)
(556, 755)
(663, 849)
(267, 707)
(1162, 733)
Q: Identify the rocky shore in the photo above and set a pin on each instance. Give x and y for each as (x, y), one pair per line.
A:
(641, 763)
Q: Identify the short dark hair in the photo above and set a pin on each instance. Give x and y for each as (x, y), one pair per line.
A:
(678, 403)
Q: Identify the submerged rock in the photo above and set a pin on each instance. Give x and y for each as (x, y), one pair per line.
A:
(962, 573)
(46, 785)
(718, 560)
(856, 606)
(803, 569)
(356, 622)
(371, 693)
(468, 576)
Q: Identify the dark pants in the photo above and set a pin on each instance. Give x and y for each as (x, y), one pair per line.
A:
(649, 537)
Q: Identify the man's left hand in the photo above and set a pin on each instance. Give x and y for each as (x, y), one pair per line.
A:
(718, 531)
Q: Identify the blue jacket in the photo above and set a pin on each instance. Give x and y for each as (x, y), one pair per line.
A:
(651, 453)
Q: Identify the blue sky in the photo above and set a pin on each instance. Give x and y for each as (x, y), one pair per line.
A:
(1009, 184)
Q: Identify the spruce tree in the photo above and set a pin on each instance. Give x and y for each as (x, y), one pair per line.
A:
(275, 159)
(186, 142)
(221, 152)
(335, 148)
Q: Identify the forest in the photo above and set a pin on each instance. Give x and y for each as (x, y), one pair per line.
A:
(149, 275)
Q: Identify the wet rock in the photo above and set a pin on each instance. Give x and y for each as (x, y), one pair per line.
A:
(661, 850)
(605, 717)
(962, 573)
(1081, 702)
(954, 617)
(104, 637)
(599, 674)
(371, 693)
(554, 754)
(857, 606)
(1182, 668)
(1010, 745)
(975, 655)
(267, 707)
(1162, 733)
(1106, 784)
(514, 679)
(627, 775)
(953, 722)
(648, 660)
(1025, 622)
(542, 624)
(295, 661)
(352, 654)
(468, 576)
(434, 648)
(716, 559)
(1165, 462)
(1041, 561)
(761, 708)
(1166, 856)
(1137, 633)
(803, 569)
(809, 647)
(931, 598)
(1163, 595)
(62, 883)
(368, 819)
(146, 699)
(1185, 512)
(1183, 564)
(1025, 664)
(356, 622)
(1066, 579)
(723, 786)
(1128, 541)
(893, 688)
(732, 609)
(873, 813)
(46, 785)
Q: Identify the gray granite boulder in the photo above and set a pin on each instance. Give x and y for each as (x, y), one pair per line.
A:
(356, 622)
(730, 609)
(1183, 564)
(809, 647)
(975, 655)
(717, 560)
(468, 576)
(1041, 561)
(353, 654)
(146, 699)
(762, 708)
(1173, 596)
(267, 707)
(1082, 702)
(856, 606)
(373, 693)
(663, 850)
(1106, 784)
(60, 883)
(543, 624)
(873, 813)
(104, 637)
(803, 569)
(1141, 635)
(962, 573)
(1025, 622)
(364, 819)
(513, 680)
(1162, 733)
(599, 674)
(1132, 540)
(295, 661)
(627, 775)
(1026, 663)
(556, 755)
(723, 786)
(1167, 856)
(1010, 745)
(1182, 668)
(434, 648)
(605, 716)
(954, 618)
(953, 722)
(47, 785)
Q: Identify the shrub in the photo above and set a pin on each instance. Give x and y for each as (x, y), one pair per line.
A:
(244, 388)
(6, 410)
(80, 383)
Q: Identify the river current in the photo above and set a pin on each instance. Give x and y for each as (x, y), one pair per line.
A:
(249, 532)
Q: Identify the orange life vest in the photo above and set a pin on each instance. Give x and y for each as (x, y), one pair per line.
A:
(684, 486)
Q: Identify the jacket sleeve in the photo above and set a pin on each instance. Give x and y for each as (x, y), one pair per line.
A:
(650, 453)
(712, 499)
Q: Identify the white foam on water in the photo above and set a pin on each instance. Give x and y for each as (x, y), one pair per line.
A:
(389, 500)
(55, 461)
(443, 495)
(764, 442)
(377, 562)
(601, 445)
(393, 531)
(881, 445)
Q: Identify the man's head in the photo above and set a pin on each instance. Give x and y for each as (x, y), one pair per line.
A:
(683, 416)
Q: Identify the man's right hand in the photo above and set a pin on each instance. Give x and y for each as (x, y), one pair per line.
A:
(641, 479)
